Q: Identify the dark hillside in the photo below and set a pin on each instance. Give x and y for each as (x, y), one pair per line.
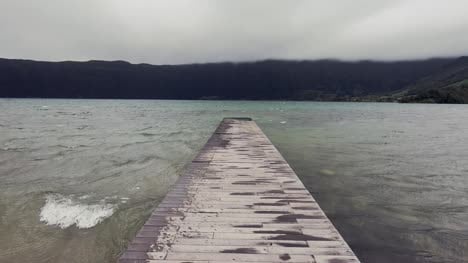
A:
(268, 80)
(448, 85)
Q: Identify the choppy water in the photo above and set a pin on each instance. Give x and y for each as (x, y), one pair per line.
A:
(79, 177)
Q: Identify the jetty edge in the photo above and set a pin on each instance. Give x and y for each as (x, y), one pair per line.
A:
(238, 201)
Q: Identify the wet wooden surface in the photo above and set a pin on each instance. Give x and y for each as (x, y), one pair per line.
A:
(238, 201)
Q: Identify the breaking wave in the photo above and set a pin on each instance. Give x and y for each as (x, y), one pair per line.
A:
(64, 212)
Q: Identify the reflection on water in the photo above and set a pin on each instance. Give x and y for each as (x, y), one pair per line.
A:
(79, 177)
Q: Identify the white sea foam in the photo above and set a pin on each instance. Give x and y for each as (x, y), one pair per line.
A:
(64, 212)
(83, 197)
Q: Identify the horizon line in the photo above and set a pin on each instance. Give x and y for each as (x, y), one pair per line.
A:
(241, 62)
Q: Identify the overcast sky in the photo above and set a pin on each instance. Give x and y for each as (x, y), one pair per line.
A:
(182, 31)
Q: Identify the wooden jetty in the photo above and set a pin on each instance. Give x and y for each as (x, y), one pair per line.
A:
(238, 201)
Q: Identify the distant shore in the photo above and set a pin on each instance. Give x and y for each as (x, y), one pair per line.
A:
(440, 80)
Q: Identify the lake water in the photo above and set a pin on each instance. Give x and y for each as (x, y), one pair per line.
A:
(79, 177)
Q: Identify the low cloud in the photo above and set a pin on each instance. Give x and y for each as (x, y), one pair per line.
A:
(183, 31)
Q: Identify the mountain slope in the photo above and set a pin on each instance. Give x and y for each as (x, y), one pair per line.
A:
(268, 80)
(448, 85)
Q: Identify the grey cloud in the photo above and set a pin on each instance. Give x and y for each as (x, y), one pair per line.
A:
(185, 31)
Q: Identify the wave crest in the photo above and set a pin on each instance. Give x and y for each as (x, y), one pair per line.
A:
(64, 212)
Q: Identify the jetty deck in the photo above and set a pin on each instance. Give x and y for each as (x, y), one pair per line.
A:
(238, 201)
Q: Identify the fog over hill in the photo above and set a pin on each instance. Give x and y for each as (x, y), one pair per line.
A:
(329, 80)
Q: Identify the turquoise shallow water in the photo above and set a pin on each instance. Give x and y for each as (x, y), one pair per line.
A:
(79, 177)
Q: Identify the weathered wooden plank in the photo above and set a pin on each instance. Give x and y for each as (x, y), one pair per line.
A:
(252, 257)
(238, 201)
